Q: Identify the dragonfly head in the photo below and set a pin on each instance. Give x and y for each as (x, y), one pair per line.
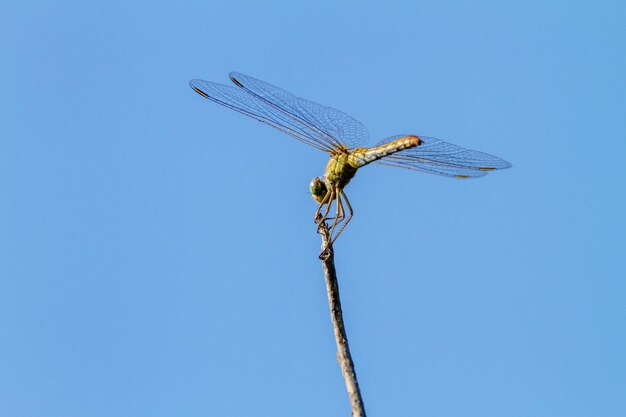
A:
(318, 189)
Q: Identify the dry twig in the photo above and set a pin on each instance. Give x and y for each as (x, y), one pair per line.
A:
(343, 350)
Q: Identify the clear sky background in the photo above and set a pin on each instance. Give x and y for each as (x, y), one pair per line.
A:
(158, 255)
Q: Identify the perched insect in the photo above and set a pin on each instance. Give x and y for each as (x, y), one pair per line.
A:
(343, 137)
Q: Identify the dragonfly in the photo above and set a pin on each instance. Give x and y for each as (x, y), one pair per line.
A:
(344, 138)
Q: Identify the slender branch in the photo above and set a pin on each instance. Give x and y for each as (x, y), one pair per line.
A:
(343, 350)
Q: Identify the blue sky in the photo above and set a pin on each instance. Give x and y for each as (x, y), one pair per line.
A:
(158, 254)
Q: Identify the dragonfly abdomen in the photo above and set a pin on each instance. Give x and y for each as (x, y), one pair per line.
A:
(364, 156)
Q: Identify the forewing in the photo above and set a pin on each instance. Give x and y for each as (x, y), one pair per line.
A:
(245, 103)
(333, 127)
(435, 156)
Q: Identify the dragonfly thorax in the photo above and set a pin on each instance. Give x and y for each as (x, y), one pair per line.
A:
(340, 170)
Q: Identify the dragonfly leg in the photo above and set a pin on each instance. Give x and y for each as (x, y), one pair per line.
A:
(337, 213)
(337, 220)
(340, 215)
(319, 207)
(319, 219)
(342, 212)
(331, 196)
(325, 200)
(345, 197)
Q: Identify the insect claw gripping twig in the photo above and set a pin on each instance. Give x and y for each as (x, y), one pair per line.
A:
(319, 226)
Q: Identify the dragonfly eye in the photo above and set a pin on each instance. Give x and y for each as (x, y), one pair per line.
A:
(318, 189)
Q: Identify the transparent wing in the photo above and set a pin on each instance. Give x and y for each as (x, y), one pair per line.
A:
(245, 103)
(333, 127)
(435, 156)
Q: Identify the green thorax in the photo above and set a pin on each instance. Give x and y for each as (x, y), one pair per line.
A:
(340, 169)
